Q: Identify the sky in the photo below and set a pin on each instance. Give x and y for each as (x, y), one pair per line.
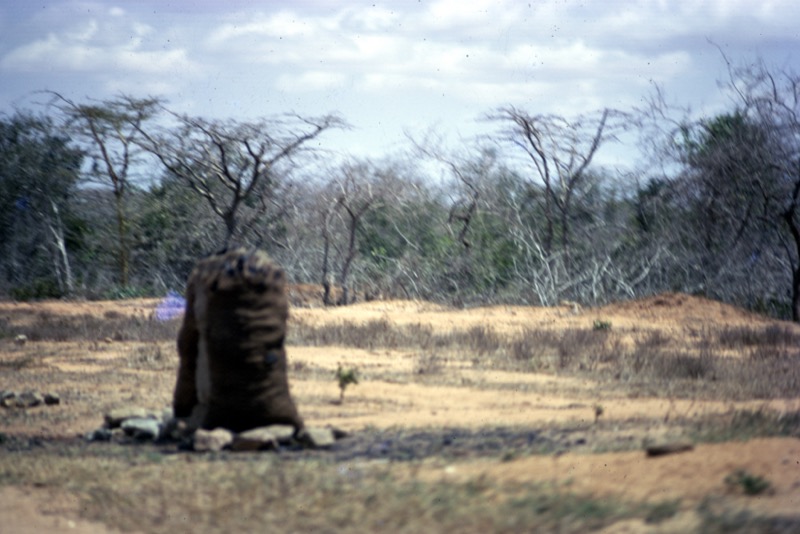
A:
(390, 67)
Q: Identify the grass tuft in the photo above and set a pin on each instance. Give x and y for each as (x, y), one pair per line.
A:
(747, 483)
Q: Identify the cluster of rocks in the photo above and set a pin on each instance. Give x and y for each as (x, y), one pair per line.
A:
(27, 399)
(139, 425)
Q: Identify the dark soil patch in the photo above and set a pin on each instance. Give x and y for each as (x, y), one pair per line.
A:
(397, 445)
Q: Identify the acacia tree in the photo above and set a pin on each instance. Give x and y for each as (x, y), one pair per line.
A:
(235, 166)
(357, 190)
(560, 152)
(109, 131)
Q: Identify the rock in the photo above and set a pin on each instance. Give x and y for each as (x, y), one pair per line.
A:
(101, 434)
(316, 437)
(212, 440)
(29, 399)
(338, 433)
(141, 428)
(115, 417)
(175, 429)
(662, 449)
(167, 415)
(283, 433)
(257, 439)
(8, 399)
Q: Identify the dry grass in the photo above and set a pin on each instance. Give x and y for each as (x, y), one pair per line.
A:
(141, 488)
(46, 326)
(235, 494)
(765, 363)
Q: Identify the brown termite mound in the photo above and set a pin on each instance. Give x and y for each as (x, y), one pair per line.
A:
(232, 371)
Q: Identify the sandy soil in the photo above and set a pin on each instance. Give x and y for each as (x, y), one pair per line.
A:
(94, 375)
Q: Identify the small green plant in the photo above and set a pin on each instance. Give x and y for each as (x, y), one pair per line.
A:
(598, 411)
(345, 377)
(747, 482)
(601, 325)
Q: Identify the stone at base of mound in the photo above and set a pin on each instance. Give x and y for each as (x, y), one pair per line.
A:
(117, 416)
(142, 425)
(271, 438)
(263, 438)
(141, 428)
(318, 438)
(212, 440)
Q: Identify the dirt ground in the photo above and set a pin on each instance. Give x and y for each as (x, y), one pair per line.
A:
(95, 374)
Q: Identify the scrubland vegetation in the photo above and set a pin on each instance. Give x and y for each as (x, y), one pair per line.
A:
(118, 198)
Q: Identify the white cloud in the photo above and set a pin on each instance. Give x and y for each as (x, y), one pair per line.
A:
(283, 24)
(390, 61)
(369, 20)
(314, 80)
(100, 46)
(83, 34)
(443, 15)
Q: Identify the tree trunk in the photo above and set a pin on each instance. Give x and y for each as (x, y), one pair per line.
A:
(794, 229)
(123, 263)
(351, 254)
(326, 277)
(796, 294)
(229, 219)
(65, 282)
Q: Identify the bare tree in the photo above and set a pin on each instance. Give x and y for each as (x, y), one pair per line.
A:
(357, 191)
(237, 166)
(326, 215)
(109, 130)
(560, 151)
